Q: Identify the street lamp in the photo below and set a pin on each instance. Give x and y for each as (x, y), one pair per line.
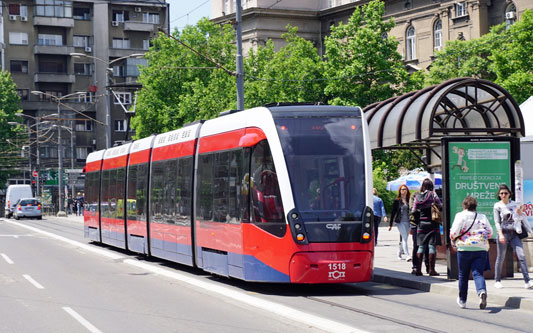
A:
(107, 79)
(58, 100)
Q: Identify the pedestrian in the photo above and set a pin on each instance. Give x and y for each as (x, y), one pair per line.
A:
(509, 219)
(400, 215)
(428, 231)
(470, 234)
(379, 212)
(414, 229)
(80, 201)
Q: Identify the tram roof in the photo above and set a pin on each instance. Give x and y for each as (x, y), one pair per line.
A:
(458, 107)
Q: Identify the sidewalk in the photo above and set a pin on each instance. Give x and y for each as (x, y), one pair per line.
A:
(388, 269)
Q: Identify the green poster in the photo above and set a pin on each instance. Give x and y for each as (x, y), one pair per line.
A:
(477, 169)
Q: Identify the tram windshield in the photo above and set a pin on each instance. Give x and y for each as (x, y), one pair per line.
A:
(326, 163)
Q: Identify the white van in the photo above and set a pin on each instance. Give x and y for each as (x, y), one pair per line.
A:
(13, 194)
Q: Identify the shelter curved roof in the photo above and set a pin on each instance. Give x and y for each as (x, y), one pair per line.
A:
(457, 107)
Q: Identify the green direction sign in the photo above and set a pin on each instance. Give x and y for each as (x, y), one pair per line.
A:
(477, 169)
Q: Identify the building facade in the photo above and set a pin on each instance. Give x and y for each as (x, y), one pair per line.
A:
(422, 26)
(75, 66)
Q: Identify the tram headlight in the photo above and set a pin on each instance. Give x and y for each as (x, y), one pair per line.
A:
(294, 216)
(297, 226)
(366, 236)
(367, 225)
(368, 214)
(300, 237)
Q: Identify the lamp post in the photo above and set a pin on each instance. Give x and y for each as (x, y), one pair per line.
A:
(58, 100)
(108, 83)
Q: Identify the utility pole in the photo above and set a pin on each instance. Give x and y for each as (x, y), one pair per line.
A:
(240, 66)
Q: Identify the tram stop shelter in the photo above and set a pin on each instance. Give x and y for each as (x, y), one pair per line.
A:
(458, 108)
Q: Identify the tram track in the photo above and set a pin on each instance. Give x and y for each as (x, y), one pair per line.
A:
(375, 315)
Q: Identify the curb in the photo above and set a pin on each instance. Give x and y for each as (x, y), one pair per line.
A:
(438, 286)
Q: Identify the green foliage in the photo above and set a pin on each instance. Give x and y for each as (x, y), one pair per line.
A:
(391, 162)
(364, 62)
(175, 91)
(380, 183)
(292, 74)
(513, 60)
(9, 106)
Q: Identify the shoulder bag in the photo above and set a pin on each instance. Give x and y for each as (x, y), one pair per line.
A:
(464, 233)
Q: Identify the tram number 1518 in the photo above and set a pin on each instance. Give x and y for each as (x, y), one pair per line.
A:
(337, 271)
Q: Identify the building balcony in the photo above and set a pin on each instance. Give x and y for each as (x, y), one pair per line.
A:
(119, 53)
(138, 26)
(54, 77)
(53, 21)
(58, 50)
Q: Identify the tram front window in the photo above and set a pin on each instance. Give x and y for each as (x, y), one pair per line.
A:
(326, 164)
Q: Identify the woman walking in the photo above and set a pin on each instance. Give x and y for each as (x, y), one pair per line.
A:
(509, 220)
(470, 233)
(400, 215)
(428, 231)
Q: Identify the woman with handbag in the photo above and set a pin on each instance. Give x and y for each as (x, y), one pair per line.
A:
(510, 221)
(428, 231)
(400, 215)
(470, 233)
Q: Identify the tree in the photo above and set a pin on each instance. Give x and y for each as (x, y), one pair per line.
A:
(513, 60)
(292, 74)
(179, 85)
(465, 58)
(9, 107)
(362, 63)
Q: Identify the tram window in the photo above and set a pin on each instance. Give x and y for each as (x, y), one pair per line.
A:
(141, 190)
(119, 193)
(183, 191)
(156, 191)
(267, 208)
(222, 176)
(132, 192)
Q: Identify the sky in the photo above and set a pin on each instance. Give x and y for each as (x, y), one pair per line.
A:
(183, 12)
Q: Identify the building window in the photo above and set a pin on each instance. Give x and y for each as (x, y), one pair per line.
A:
(410, 43)
(48, 152)
(120, 125)
(151, 18)
(460, 9)
(146, 44)
(81, 153)
(437, 35)
(53, 8)
(118, 71)
(121, 16)
(121, 43)
(84, 126)
(49, 94)
(122, 98)
(51, 67)
(510, 15)
(18, 10)
(81, 41)
(23, 94)
(81, 13)
(83, 69)
(18, 38)
(18, 66)
(86, 97)
(50, 40)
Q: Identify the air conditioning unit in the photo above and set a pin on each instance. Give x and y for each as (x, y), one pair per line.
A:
(88, 49)
(114, 23)
(510, 15)
(138, 9)
(12, 17)
(24, 18)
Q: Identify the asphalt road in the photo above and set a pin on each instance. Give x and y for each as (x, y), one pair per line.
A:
(53, 280)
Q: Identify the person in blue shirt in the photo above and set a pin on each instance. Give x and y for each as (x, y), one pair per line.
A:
(379, 212)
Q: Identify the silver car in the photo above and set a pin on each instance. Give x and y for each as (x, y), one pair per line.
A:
(28, 207)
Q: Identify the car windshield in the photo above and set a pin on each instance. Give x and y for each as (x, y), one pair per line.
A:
(325, 160)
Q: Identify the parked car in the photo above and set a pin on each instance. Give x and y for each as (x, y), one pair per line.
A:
(13, 194)
(28, 207)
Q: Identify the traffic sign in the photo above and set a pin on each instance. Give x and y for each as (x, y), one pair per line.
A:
(35, 174)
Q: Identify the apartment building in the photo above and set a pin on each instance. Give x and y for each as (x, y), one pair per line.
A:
(422, 26)
(85, 54)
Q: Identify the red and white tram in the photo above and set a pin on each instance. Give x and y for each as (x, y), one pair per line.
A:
(271, 194)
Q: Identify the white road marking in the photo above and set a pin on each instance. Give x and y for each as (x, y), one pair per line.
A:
(32, 281)
(7, 259)
(90, 327)
(272, 307)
